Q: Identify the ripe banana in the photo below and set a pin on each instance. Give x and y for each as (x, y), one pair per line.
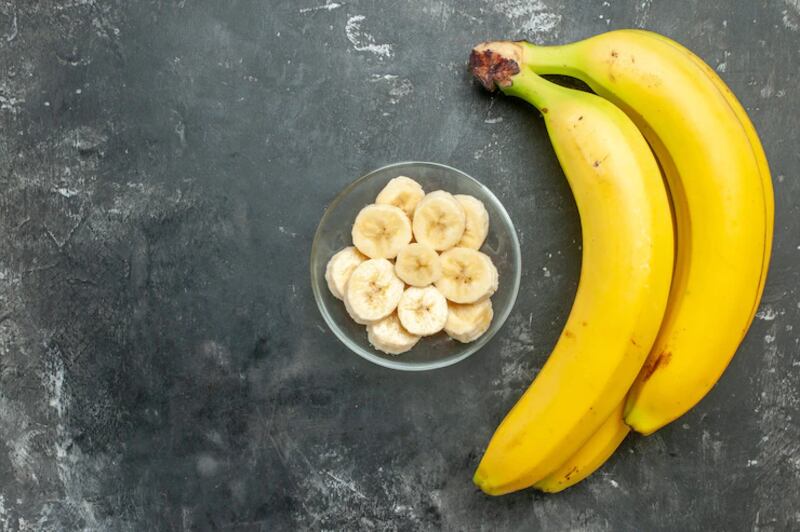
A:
(465, 323)
(381, 231)
(418, 265)
(422, 311)
(439, 220)
(373, 291)
(722, 197)
(389, 336)
(468, 275)
(590, 456)
(625, 276)
(477, 221)
(339, 268)
(402, 192)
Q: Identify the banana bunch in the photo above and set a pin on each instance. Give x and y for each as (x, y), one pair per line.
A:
(423, 291)
(647, 337)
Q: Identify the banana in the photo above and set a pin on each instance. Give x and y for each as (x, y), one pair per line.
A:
(402, 192)
(439, 220)
(601, 445)
(624, 284)
(477, 222)
(590, 456)
(465, 323)
(389, 336)
(422, 311)
(381, 231)
(722, 196)
(373, 291)
(418, 265)
(468, 276)
(339, 268)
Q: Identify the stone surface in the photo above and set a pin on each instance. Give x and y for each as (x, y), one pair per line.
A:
(163, 165)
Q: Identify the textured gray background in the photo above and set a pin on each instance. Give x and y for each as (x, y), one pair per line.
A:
(163, 165)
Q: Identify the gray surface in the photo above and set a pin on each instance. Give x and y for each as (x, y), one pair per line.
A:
(163, 166)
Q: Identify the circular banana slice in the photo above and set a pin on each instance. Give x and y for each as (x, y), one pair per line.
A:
(381, 231)
(389, 336)
(422, 311)
(439, 220)
(467, 275)
(477, 226)
(466, 323)
(418, 265)
(373, 291)
(402, 192)
(339, 269)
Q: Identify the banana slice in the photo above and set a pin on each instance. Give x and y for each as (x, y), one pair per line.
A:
(467, 275)
(373, 291)
(422, 311)
(477, 226)
(418, 265)
(381, 231)
(466, 323)
(439, 220)
(402, 192)
(339, 269)
(389, 336)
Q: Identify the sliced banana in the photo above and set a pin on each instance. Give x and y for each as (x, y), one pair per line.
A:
(381, 231)
(466, 323)
(339, 269)
(477, 226)
(402, 192)
(439, 220)
(467, 275)
(389, 335)
(422, 311)
(373, 291)
(418, 265)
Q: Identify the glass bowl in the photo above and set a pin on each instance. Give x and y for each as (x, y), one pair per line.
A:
(333, 234)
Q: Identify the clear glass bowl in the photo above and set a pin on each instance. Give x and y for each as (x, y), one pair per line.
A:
(333, 234)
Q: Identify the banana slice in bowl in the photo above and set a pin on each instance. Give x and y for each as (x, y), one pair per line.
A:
(466, 323)
(418, 265)
(468, 276)
(422, 311)
(477, 221)
(381, 231)
(373, 291)
(403, 193)
(339, 269)
(389, 336)
(439, 220)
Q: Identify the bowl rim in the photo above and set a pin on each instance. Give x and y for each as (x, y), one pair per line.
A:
(472, 347)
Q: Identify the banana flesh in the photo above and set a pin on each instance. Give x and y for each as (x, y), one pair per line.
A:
(418, 265)
(401, 192)
(373, 291)
(389, 335)
(381, 231)
(422, 311)
(439, 220)
(468, 276)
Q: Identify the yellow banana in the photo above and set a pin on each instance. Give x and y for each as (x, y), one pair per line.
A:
(601, 445)
(722, 201)
(590, 456)
(624, 283)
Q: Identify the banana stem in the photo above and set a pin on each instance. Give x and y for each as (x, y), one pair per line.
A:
(505, 64)
(546, 60)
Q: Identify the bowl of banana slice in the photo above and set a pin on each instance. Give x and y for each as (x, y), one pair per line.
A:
(415, 266)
